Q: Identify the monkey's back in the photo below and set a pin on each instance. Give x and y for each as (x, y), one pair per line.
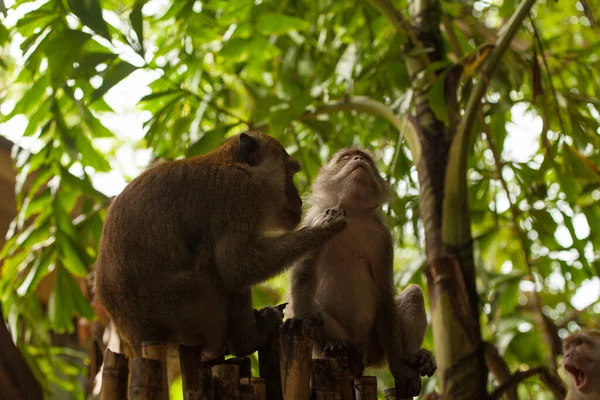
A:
(155, 232)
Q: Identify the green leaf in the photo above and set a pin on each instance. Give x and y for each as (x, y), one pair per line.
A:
(90, 13)
(579, 167)
(137, 23)
(208, 141)
(115, 74)
(63, 49)
(66, 300)
(270, 23)
(89, 155)
(437, 99)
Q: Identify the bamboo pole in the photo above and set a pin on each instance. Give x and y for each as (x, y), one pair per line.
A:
(146, 380)
(365, 388)
(245, 365)
(296, 355)
(268, 364)
(195, 385)
(390, 394)
(114, 376)
(259, 387)
(226, 381)
(331, 380)
(154, 350)
(207, 381)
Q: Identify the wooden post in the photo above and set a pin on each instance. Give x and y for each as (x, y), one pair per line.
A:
(296, 355)
(158, 351)
(114, 376)
(365, 388)
(330, 380)
(146, 380)
(390, 394)
(206, 377)
(245, 365)
(227, 381)
(402, 393)
(192, 371)
(259, 387)
(268, 364)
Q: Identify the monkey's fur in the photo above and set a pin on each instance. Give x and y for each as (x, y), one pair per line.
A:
(582, 364)
(183, 244)
(349, 280)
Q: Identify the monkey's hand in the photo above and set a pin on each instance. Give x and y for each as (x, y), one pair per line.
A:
(333, 219)
(424, 362)
(302, 326)
(268, 321)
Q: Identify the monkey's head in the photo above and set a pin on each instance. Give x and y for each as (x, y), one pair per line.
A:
(273, 167)
(582, 360)
(351, 180)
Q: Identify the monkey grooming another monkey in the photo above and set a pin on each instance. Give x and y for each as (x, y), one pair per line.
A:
(582, 363)
(185, 241)
(349, 280)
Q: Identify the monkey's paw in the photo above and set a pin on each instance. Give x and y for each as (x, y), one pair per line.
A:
(334, 219)
(423, 361)
(301, 326)
(345, 348)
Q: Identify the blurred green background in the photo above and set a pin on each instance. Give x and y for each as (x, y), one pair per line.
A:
(92, 91)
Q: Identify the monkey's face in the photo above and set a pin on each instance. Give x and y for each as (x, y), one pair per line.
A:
(582, 360)
(275, 169)
(353, 178)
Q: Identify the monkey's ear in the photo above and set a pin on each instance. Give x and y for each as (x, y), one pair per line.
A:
(248, 150)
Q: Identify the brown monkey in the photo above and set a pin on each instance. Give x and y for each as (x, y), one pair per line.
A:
(185, 241)
(349, 280)
(582, 363)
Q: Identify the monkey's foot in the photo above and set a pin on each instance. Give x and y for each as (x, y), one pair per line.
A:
(345, 348)
(300, 326)
(424, 362)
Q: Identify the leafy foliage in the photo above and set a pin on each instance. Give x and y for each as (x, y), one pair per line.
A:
(302, 70)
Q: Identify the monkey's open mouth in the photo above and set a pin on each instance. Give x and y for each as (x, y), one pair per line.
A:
(579, 375)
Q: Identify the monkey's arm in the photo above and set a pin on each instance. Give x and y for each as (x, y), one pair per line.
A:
(243, 264)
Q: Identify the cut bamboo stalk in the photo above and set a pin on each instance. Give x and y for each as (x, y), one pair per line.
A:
(296, 355)
(192, 369)
(260, 389)
(346, 381)
(390, 394)
(226, 381)
(326, 379)
(268, 364)
(158, 351)
(365, 388)
(114, 376)
(245, 366)
(146, 380)
(206, 377)
(403, 394)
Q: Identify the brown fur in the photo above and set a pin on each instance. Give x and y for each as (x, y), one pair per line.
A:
(582, 357)
(183, 244)
(349, 280)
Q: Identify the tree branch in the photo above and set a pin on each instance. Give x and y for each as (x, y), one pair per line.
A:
(552, 382)
(455, 203)
(367, 106)
(400, 25)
